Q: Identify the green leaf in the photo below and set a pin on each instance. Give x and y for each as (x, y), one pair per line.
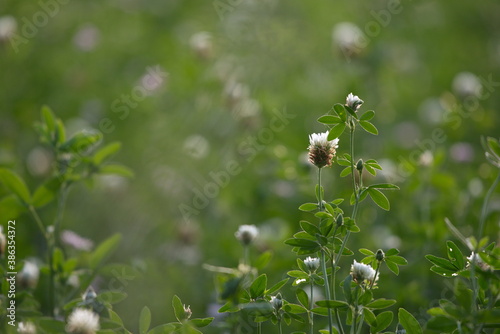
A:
(365, 298)
(311, 229)
(60, 132)
(351, 111)
(180, 314)
(295, 242)
(441, 324)
(369, 317)
(346, 171)
(384, 186)
(295, 308)
(263, 260)
(381, 303)
(440, 262)
(106, 151)
(112, 297)
(391, 252)
(277, 286)
(201, 322)
(258, 287)
(347, 289)
(494, 146)
(297, 274)
(409, 322)
(15, 184)
(11, 206)
(302, 297)
(46, 192)
(49, 119)
(392, 266)
(343, 162)
(51, 325)
(104, 250)
(455, 255)
(369, 127)
(144, 320)
(397, 259)
(329, 119)
(332, 304)
(340, 110)
(379, 198)
(336, 131)
(117, 170)
(308, 207)
(365, 251)
(443, 272)
(367, 115)
(81, 142)
(320, 311)
(163, 329)
(384, 319)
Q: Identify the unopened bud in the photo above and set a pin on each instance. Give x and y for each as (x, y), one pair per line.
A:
(340, 220)
(187, 311)
(312, 264)
(277, 302)
(359, 165)
(380, 255)
(89, 295)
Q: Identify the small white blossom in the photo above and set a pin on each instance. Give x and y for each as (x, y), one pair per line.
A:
(353, 102)
(322, 150)
(362, 272)
(312, 263)
(277, 301)
(82, 321)
(246, 233)
(478, 261)
(28, 276)
(300, 281)
(26, 328)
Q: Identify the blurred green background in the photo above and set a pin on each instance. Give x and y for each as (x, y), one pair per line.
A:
(191, 87)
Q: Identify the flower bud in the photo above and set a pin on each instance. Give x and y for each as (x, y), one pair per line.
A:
(28, 276)
(340, 220)
(187, 311)
(312, 264)
(380, 255)
(359, 165)
(277, 301)
(89, 295)
(353, 102)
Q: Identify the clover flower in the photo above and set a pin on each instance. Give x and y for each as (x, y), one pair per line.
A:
(277, 301)
(322, 150)
(26, 328)
(246, 234)
(28, 276)
(353, 102)
(312, 263)
(478, 261)
(82, 321)
(361, 272)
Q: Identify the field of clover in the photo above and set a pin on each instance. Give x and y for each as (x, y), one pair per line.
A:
(249, 166)
(53, 292)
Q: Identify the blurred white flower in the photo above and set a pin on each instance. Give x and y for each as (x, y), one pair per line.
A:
(39, 161)
(8, 26)
(72, 239)
(353, 101)
(426, 158)
(246, 233)
(350, 38)
(362, 273)
(26, 328)
(322, 150)
(201, 44)
(87, 37)
(82, 321)
(462, 152)
(196, 146)
(28, 276)
(466, 84)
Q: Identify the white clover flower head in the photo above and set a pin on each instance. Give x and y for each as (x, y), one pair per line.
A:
(82, 321)
(478, 261)
(322, 150)
(312, 263)
(361, 272)
(277, 301)
(26, 327)
(246, 234)
(28, 276)
(353, 102)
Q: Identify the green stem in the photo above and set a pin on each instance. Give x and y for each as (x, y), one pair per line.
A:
(355, 318)
(61, 203)
(375, 277)
(327, 289)
(259, 327)
(279, 326)
(39, 222)
(311, 315)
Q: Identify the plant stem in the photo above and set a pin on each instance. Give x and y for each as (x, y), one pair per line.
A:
(311, 315)
(38, 222)
(259, 327)
(327, 289)
(375, 277)
(485, 208)
(279, 326)
(61, 203)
